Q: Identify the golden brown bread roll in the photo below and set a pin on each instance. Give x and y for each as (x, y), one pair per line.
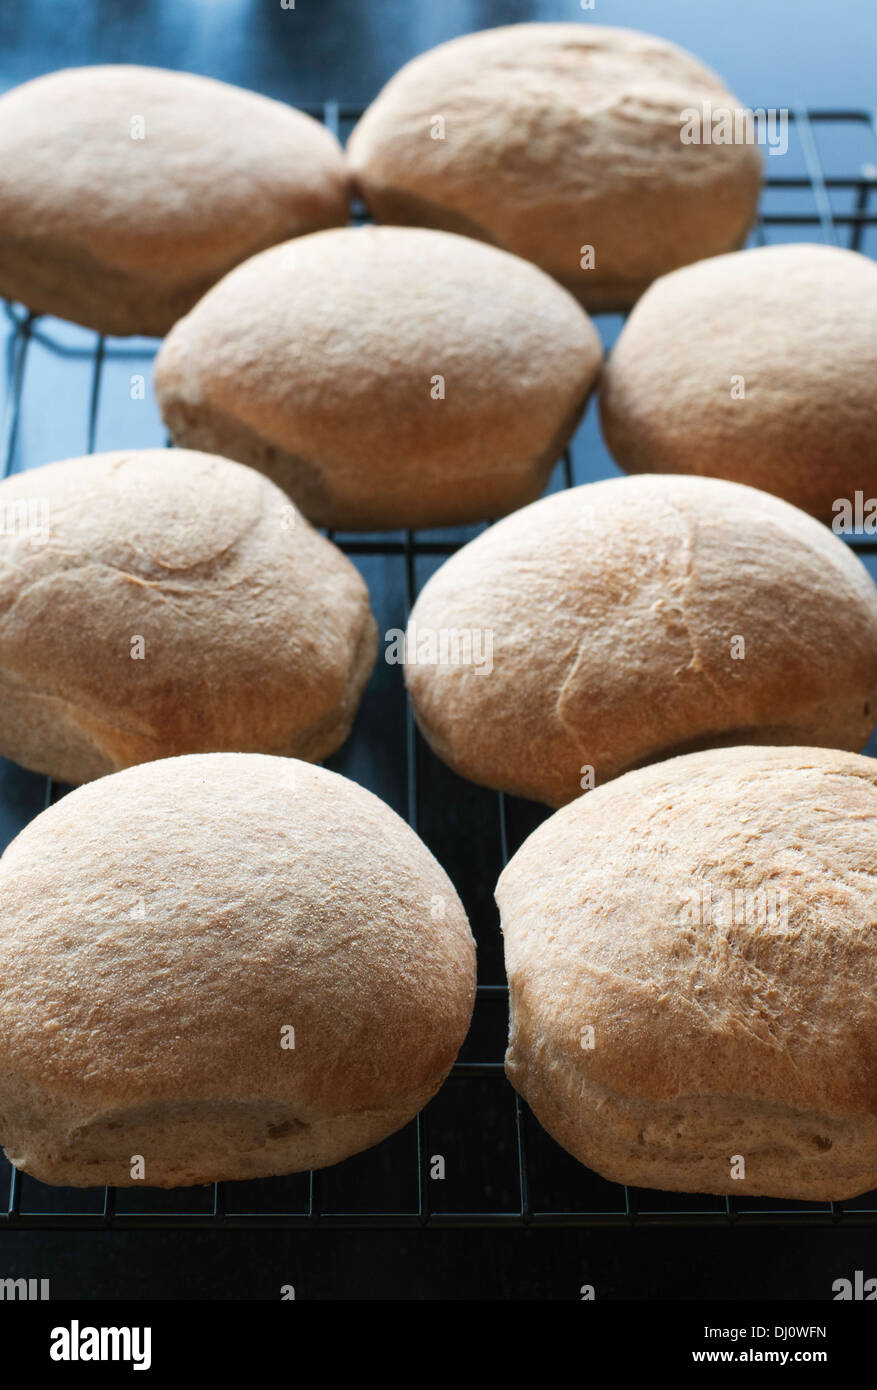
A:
(549, 139)
(228, 965)
(692, 954)
(629, 620)
(160, 602)
(384, 376)
(758, 367)
(125, 191)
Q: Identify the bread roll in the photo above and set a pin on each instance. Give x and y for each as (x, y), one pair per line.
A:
(758, 367)
(125, 192)
(625, 621)
(384, 377)
(549, 139)
(691, 955)
(160, 602)
(163, 930)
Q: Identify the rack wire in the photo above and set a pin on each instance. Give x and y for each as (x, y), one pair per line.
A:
(514, 1175)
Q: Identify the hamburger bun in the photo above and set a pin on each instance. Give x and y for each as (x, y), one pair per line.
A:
(563, 143)
(626, 621)
(384, 376)
(160, 602)
(758, 367)
(691, 956)
(226, 966)
(125, 192)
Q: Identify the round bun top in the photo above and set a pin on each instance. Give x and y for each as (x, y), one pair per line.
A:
(712, 919)
(161, 928)
(151, 177)
(162, 601)
(758, 367)
(385, 376)
(635, 618)
(545, 138)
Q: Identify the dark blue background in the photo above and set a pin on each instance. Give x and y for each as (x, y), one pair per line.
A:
(775, 52)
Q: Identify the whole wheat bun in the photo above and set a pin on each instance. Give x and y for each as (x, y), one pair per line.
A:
(758, 367)
(160, 929)
(558, 137)
(122, 226)
(160, 602)
(711, 920)
(384, 376)
(633, 619)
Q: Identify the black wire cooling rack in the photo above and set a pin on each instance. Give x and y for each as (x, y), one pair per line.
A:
(500, 1168)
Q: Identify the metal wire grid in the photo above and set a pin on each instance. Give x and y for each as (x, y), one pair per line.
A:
(845, 228)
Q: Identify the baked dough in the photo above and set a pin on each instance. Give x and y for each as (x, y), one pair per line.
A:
(159, 602)
(628, 620)
(691, 954)
(550, 139)
(758, 367)
(163, 930)
(384, 376)
(125, 192)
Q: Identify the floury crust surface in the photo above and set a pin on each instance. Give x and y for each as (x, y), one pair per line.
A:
(122, 227)
(384, 377)
(171, 602)
(758, 367)
(720, 1035)
(160, 929)
(616, 613)
(556, 138)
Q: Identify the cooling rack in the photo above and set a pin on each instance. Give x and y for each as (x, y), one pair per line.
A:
(67, 393)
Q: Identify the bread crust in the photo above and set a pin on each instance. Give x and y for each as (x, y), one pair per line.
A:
(798, 335)
(715, 1033)
(158, 931)
(557, 137)
(321, 363)
(257, 633)
(123, 231)
(637, 618)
